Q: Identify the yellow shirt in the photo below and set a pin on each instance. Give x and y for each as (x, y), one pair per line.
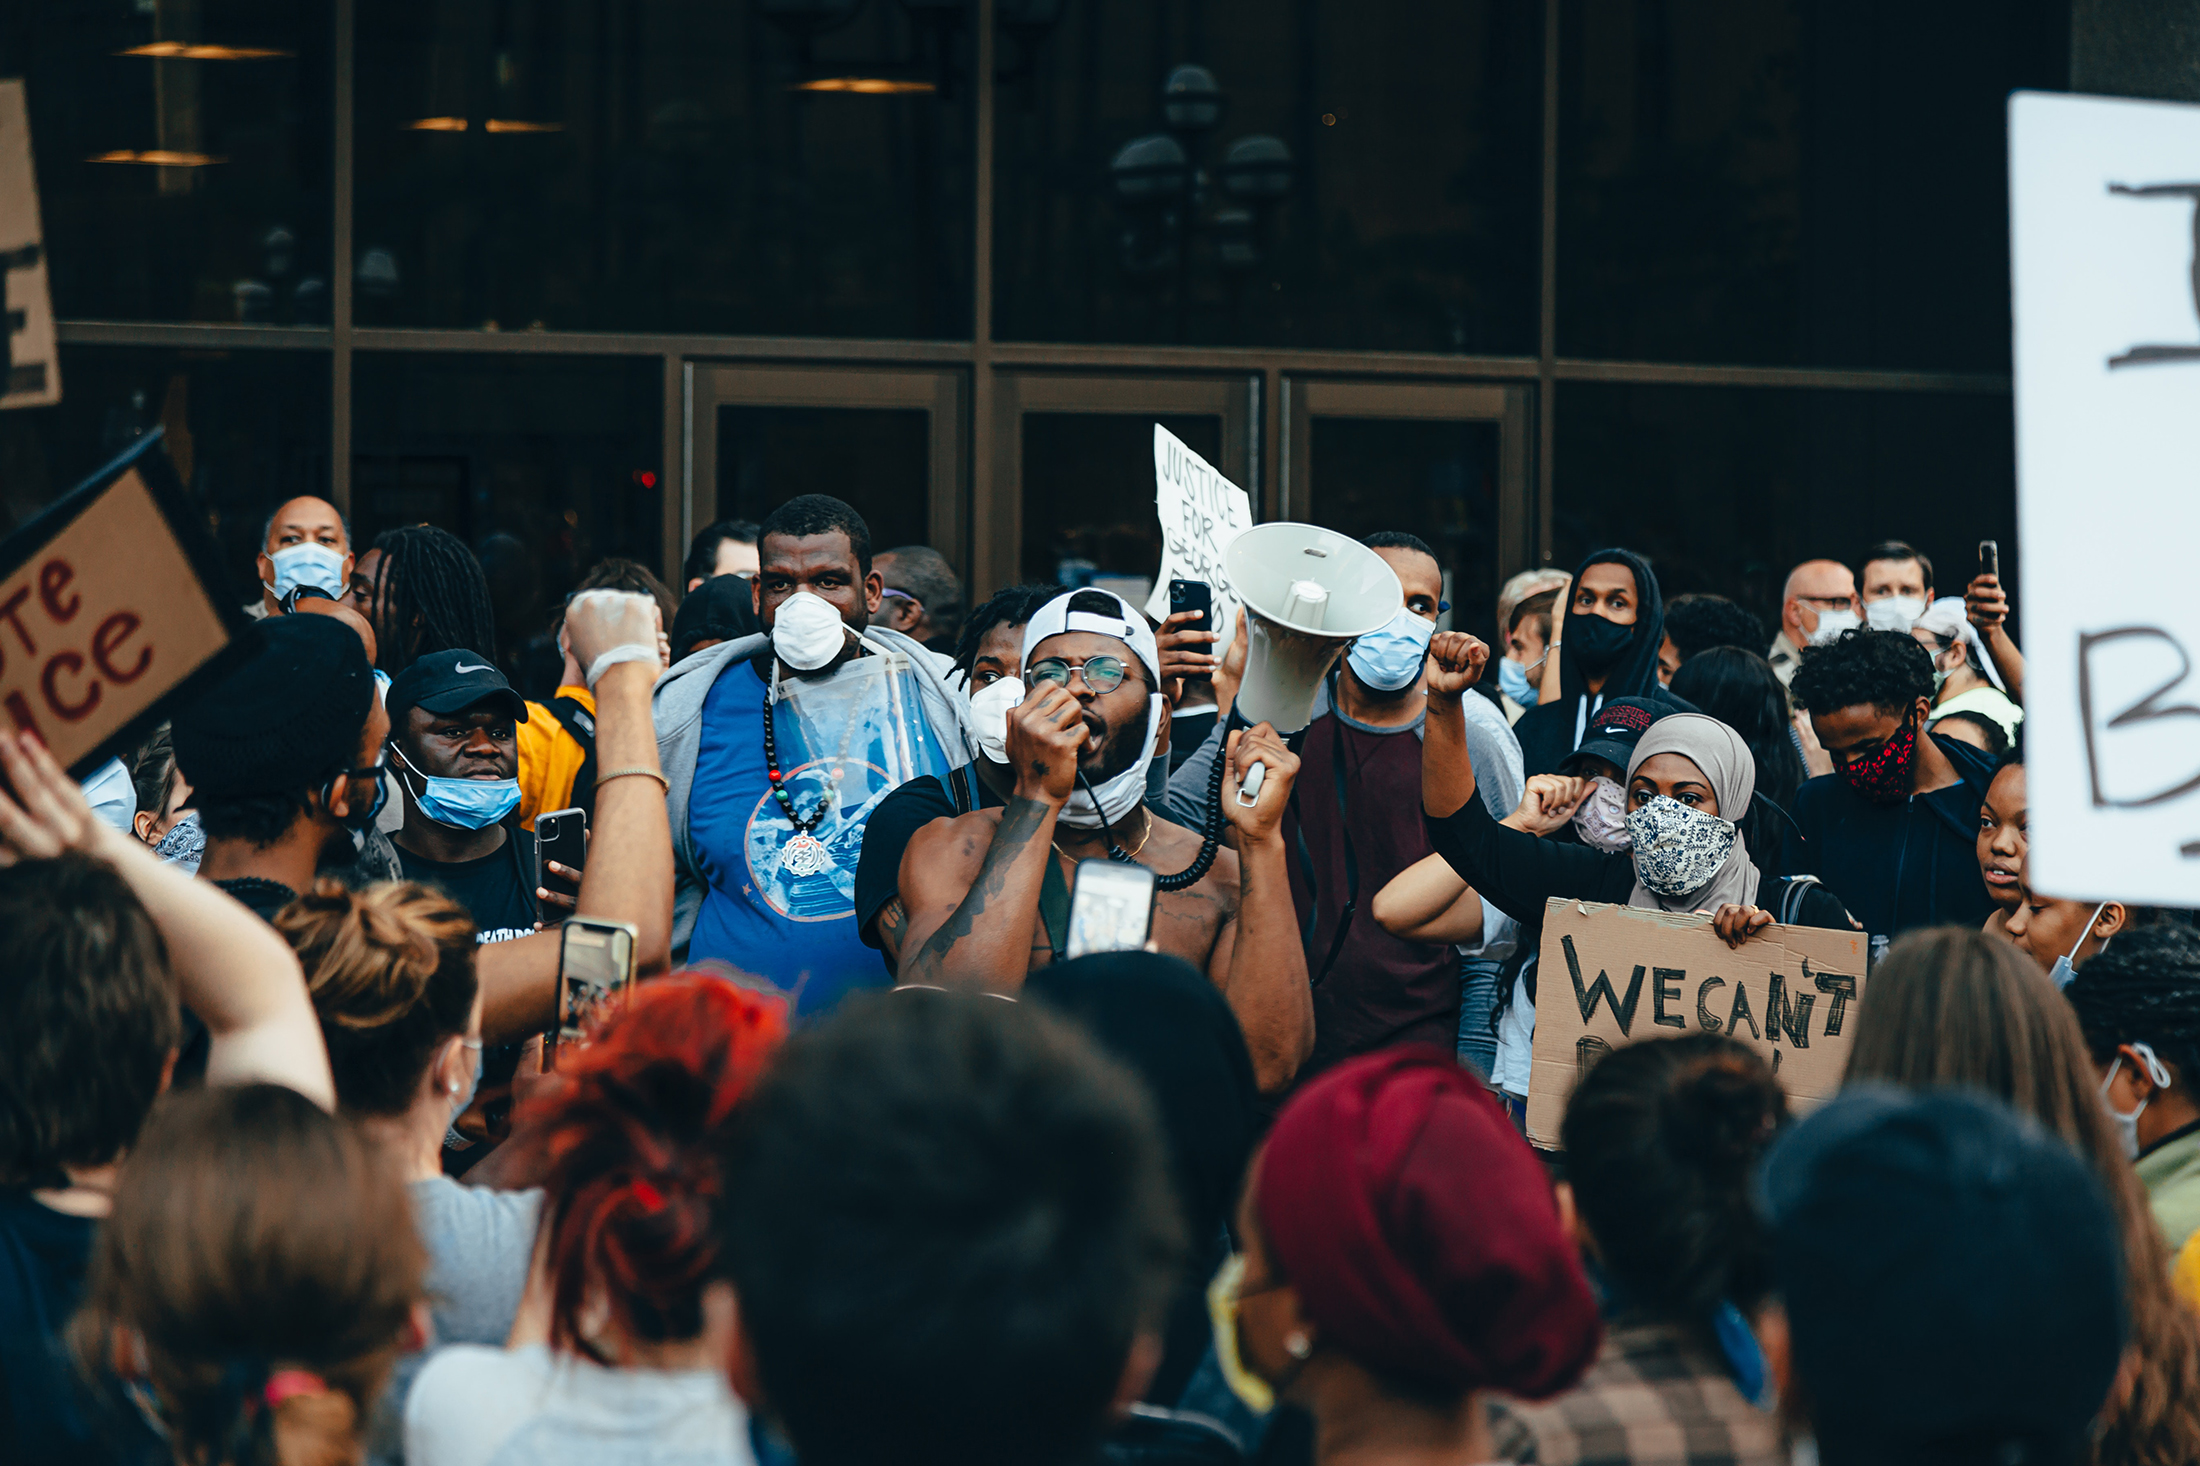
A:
(2186, 1278)
(549, 758)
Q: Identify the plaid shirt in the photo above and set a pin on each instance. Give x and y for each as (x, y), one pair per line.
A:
(1654, 1397)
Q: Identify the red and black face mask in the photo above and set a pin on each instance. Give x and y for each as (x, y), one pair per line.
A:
(1884, 777)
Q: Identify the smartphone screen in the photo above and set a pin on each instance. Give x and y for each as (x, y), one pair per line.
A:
(560, 835)
(1193, 595)
(1110, 907)
(595, 963)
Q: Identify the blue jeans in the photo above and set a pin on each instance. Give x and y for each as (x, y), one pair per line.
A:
(1477, 1000)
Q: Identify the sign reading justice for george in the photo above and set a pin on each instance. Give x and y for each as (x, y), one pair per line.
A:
(1201, 512)
(1613, 975)
(110, 600)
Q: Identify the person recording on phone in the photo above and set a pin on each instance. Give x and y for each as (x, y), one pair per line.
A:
(988, 893)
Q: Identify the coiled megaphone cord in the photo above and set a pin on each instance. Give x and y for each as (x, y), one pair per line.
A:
(1210, 834)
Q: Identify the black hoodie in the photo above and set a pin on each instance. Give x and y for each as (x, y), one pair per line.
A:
(1549, 731)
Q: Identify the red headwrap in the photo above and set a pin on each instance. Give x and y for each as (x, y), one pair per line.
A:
(1420, 1231)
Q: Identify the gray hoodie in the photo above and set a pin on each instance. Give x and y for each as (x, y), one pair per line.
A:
(677, 707)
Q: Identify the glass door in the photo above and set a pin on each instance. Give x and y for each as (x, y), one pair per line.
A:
(1447, 462)
(1073, 502)
(888, 442)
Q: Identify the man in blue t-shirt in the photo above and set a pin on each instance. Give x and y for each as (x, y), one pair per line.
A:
(769, 807)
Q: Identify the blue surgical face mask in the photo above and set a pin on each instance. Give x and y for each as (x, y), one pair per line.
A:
(466, 804)
(1512, 680)
(319, 566)
(2066, 966)
(1390, 658)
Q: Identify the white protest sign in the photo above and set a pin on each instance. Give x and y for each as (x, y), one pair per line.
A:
(2102, 202)
(30, 373)
(1201, 512)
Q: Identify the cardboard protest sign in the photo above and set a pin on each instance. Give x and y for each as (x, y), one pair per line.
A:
(30, 372)
(1613, 975)
(1201, 512)
(2103, 199)
(111, 601)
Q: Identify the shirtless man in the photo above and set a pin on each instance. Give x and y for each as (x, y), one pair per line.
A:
(972, 885)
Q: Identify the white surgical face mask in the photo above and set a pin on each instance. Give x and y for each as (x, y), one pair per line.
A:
(807, 633)
(1894, 613)
(989, 707)
(1121, 794)
(1602, 819)
(1831, 624)
(2127, 1126)
(319, 566)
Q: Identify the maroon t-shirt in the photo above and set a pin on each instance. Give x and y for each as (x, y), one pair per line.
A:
(1380, 990)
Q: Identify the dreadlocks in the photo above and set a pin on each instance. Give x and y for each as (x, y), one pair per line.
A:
(1011, 607)
(433, 597)
(2143, 988)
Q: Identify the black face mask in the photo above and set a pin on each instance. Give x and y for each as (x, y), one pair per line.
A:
(1595, 643)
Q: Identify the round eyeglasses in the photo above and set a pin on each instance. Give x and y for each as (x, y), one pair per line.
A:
(1102, 674)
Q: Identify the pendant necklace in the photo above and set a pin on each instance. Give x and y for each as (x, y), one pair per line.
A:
(804, 854)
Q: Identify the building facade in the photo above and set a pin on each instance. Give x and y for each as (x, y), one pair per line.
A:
(1722, 280)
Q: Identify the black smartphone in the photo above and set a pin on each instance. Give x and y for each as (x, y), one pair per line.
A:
(1989, 558)
(1193, 595)
(560, 835)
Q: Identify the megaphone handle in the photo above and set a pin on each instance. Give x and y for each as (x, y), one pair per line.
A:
(1249, 792)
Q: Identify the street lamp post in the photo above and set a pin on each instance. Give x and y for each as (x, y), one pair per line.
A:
(1167, 196)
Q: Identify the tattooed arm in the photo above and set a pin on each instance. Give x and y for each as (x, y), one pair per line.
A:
(972, 904)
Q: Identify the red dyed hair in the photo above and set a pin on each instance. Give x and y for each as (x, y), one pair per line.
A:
(628, 1139)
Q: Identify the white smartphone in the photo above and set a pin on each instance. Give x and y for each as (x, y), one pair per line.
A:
(1110, 907)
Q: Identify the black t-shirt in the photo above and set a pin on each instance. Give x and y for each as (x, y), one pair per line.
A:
(498, 889)
(893, 825)
(46, 1414)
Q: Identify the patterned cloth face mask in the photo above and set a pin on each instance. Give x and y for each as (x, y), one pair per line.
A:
(1602, 819)
(1884, 777)
(1678, 849)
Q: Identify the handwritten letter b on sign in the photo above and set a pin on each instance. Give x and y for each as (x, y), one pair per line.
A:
(1613, 975)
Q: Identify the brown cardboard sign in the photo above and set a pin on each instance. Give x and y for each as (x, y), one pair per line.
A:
(1613, 975)
(112, 602)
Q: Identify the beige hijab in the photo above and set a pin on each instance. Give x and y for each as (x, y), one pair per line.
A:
(1731, 770)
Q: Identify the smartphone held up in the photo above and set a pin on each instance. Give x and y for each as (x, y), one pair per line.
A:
(595, 967)
(1110, 907)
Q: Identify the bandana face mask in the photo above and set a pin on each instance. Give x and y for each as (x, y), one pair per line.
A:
(1884, 777)
(1678, 849)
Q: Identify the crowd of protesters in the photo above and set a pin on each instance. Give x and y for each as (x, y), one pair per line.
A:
(301, 1163)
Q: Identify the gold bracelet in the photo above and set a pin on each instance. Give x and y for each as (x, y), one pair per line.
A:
(605, 778)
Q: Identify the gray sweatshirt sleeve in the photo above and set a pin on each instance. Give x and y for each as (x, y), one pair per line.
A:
(1187, 798)
(1499, 771)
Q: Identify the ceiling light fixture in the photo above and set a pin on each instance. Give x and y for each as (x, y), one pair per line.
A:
(868, 86)
(436, 124)
(503, 124)
(184, 51)
(160, 157)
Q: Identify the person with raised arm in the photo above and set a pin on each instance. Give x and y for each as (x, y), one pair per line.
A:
(104, 941)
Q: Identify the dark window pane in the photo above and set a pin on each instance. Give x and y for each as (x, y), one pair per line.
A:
(1089, 495)
(1792, 181)
(1727, 489)
(245, 430)
(876, 458)
(1437, 480)
(543, 466)
(1410, 222)
(656, 168)
(190, 186)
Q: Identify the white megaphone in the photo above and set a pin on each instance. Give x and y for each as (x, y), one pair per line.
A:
(1308, 591)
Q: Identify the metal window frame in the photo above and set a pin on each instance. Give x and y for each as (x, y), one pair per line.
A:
(993, 369)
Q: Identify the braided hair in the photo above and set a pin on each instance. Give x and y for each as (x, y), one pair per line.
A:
(2143, 988)
(433, 597)
(1011, 607)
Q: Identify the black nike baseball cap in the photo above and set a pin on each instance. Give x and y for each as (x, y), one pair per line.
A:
(451, 682)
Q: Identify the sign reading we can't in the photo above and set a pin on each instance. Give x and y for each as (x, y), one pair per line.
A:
(1613, 975)
(109, 602)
